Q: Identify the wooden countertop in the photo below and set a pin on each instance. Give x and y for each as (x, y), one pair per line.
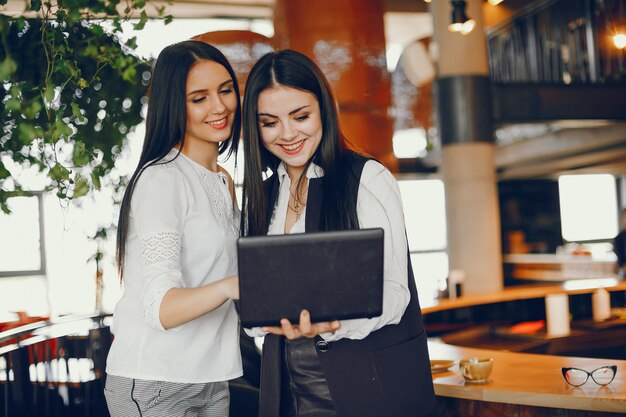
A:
(522, 292)
(530, 379)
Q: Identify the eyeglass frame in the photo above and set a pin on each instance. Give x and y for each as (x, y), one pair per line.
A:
(589, 374)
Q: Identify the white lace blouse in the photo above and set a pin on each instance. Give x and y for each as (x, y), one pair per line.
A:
(182, 233)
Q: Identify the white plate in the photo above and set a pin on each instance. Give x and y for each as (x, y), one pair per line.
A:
(440, 365)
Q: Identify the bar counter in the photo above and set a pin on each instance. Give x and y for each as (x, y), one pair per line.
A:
(523, 292)
(523, 379)
(527, 384)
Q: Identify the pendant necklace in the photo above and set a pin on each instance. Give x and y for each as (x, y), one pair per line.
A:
(297, 207)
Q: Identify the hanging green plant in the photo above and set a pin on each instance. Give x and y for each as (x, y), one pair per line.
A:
(70, 92)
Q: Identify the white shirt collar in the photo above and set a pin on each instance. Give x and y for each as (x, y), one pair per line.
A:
(313, 171)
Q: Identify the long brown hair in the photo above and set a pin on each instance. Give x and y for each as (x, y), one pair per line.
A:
(166, 119)
(293, 69)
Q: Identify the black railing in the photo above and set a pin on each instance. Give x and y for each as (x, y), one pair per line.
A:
(55, 368)
(560, 42)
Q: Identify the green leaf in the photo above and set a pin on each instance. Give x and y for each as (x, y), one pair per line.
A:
(91, 51)
(95, 180)
(7, 68)
(140, 4)
(60, 129)
(4, 173)
(96, 30)
(35, 107)
(83, 83)
(13, 104)
(101, 233)
(81, 188)
(27, 133)
(132, 43)
(21, 23)
(74, 16)
(130, 74)
(35, 5)
(80, 156)
(59, 173)
(142, 21)
(49, 93)
(76, 112)
(168, 19)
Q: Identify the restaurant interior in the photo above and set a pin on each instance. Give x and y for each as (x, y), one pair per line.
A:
(504, 122)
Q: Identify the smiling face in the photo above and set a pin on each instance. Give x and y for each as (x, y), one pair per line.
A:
(290, 125)
(211, 104)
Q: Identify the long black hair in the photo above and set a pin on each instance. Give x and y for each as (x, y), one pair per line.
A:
(293, 69)
(166, 120)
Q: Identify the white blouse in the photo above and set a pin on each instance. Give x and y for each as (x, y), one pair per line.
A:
(182, 233)
(378, 205)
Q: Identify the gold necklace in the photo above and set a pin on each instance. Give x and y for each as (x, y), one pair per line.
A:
(298, 206)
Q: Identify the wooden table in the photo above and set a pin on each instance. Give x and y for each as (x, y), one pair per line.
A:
(525, 384)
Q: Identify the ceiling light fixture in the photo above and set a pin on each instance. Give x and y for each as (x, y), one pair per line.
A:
(619, 41)
(495, 2)
(459, 22)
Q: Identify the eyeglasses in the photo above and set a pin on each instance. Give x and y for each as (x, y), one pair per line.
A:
(578, 377)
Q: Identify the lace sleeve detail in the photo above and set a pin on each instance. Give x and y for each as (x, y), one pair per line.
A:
(161, 259)
(152, 303)
(161, 247)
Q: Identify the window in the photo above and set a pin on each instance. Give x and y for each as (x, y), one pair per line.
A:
(22, 238)
(425, 218)
(588, 207)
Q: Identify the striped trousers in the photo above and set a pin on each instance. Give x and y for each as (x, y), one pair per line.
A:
(128, 397)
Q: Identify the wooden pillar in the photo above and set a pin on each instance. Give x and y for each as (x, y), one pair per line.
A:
(464, 119)
(242, 48)
(346, 39)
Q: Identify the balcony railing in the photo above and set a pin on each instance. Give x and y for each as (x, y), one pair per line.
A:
(55, 368)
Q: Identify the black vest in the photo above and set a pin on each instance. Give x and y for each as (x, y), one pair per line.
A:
(387, 374)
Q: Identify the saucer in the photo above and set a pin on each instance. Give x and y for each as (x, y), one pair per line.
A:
(477, 381)
(437, 366)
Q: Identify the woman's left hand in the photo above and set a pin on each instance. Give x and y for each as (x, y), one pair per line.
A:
(303, 329)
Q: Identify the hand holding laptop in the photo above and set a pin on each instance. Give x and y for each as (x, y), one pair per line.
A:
(304, 329)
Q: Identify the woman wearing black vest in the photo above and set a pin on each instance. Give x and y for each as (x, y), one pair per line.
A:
(375, 367)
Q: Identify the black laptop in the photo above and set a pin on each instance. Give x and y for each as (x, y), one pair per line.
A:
(335, 275)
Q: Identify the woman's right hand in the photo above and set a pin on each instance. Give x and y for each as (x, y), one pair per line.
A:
(303, 329)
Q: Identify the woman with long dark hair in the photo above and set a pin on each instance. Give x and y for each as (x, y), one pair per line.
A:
(376, 367)
(176, 329)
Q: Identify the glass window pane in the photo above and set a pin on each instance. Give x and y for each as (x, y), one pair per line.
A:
(588, 207)
(425, 213)
(430, 270)
(19, 236)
